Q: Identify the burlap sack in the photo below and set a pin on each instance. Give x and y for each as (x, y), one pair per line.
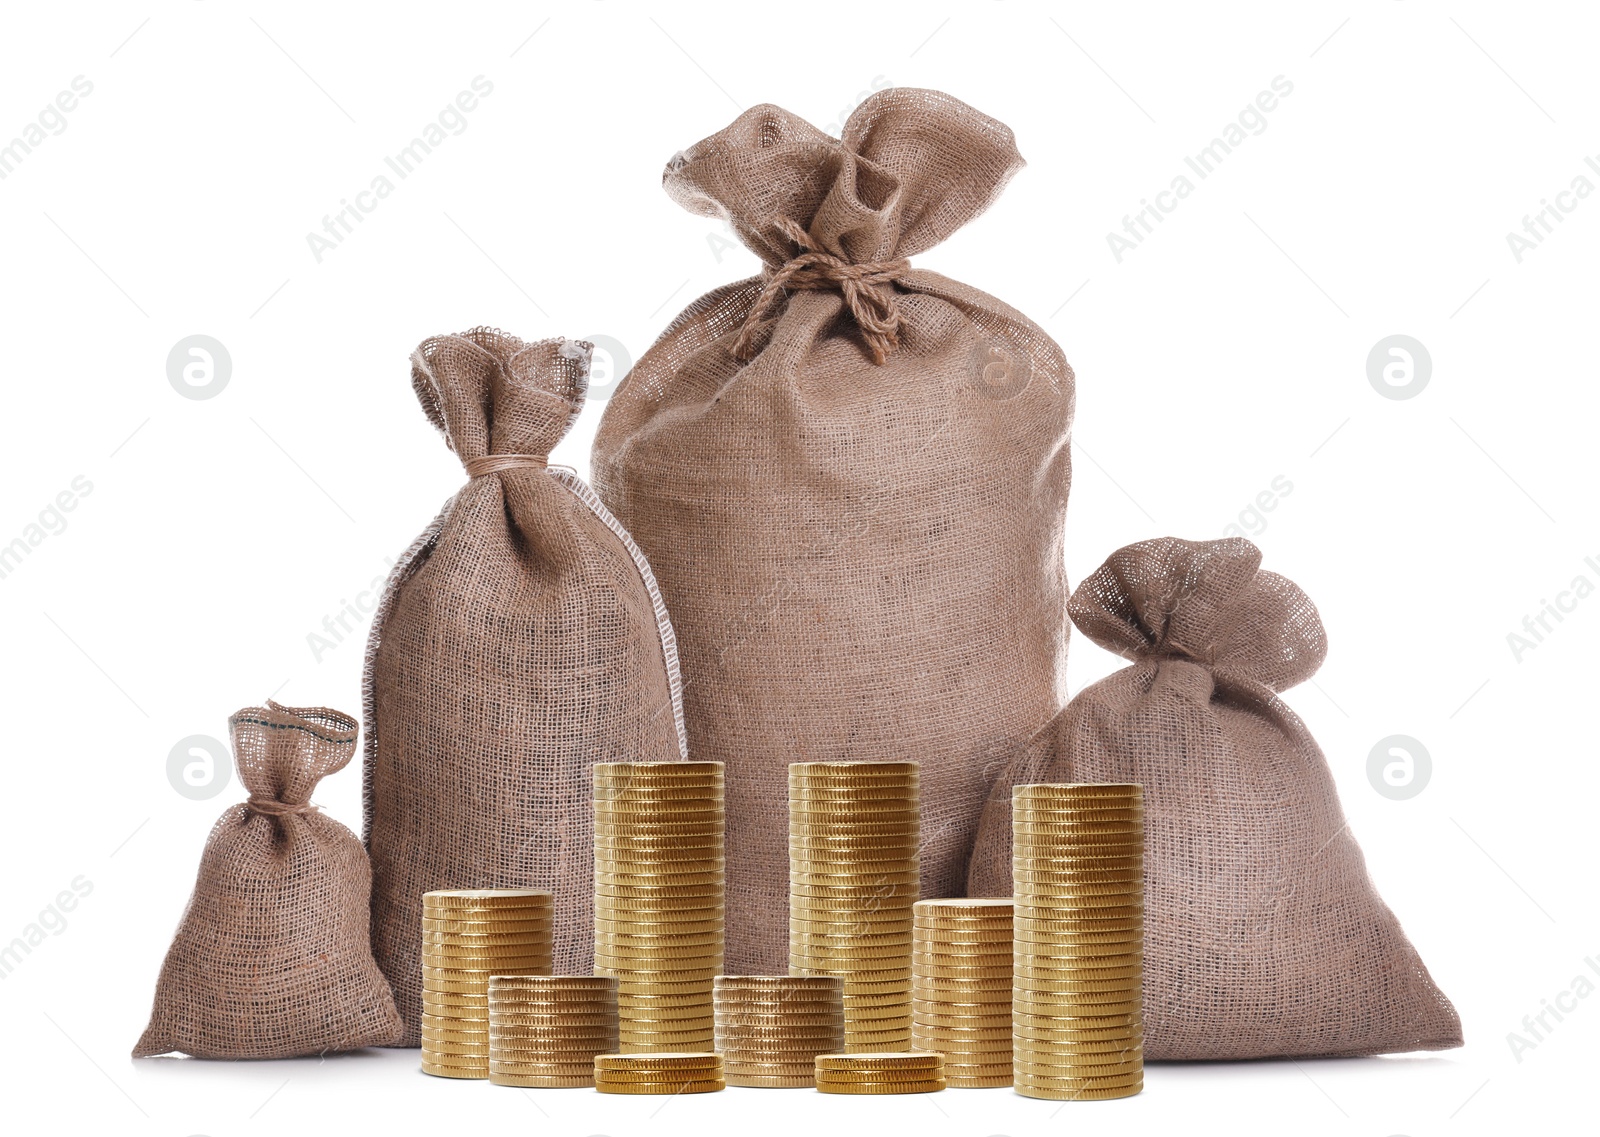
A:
(273, 957)
(850, 477)
(1264, 936)
(519, 640)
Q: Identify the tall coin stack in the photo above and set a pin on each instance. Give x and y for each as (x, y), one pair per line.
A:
(961, 988)
(770, 1028)
(658, 898)
(469, 934)
(1078, 873)
(854, 829)
(544, 1030)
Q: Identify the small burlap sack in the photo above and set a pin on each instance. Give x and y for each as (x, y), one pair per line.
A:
(520, 640)
(1264, 936)
(273, 957)
(850, 476)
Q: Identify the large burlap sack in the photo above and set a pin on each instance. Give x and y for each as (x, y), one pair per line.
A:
(520, 640)
(1264, 936)
(850, 476)
(273, 958)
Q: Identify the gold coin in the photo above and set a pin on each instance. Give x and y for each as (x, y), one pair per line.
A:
(441, 1071)
(963, 999)
(1071, 791)
(1078, 1029)
(1077, 1016)
(847, 769)
(474, 1040)
(639, 921)
(558, 985)
(894, 955)
(863, 1088)
(966, 907)
(672, 1088)
(1032, 1091)
(1031, 972)
(1054, 1090)
(552, 1003)
(637, 842)
(487, 897)
(826, 842)
(674, 877)
(662, 892)
(488, 941)
(1038, 826)
(1064, 1066)
(504, 954)
(666, 934)
(466, 932)
(1001, 1077)
(879, 1060)
(437, 1003)
(807, 1018)
(542, 1081)
(842, 825)
(779, 986)
(1086, 919)
(771, 1081)
(440, 1048)
(663, 1060)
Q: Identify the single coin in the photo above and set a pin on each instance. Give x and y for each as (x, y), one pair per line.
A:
(978, 1081)
(541, 1081)
(771, 1082)
(487, 897)
(706, 1086)
(442, 1071)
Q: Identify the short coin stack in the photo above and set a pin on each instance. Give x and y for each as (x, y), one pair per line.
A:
(1078, 872)
(469, 934)
(545, 1030)
(961, 988)
(770, 1028)
(658, 898)
(854, 831)
(663, 1073)
(903, 1072)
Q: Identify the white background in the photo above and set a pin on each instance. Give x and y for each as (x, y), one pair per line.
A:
(1228, 349)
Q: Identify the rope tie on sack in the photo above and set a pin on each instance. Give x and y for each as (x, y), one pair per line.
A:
(271, 807)
(867, 288)
(494, 463)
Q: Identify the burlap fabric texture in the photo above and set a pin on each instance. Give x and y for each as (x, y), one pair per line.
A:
(850, 476)
(1264, 936)
(520, 640)
(273, 957)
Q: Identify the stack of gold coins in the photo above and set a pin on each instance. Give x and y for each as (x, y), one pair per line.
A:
(658, 898)
(770, 1028)
(469, 934)
(903, 1072)
(961, 988)
(544, 1030)
(853, 876)
(1078, 872)
(696, 1072)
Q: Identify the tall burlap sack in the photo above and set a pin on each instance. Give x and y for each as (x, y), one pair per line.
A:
(273, 957)
(520, 640)
(1264, 936)
(850, 476)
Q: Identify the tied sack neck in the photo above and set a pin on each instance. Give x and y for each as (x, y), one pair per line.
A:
(283, 752)
(868, 291)
(1204, 602)
(844, 214)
